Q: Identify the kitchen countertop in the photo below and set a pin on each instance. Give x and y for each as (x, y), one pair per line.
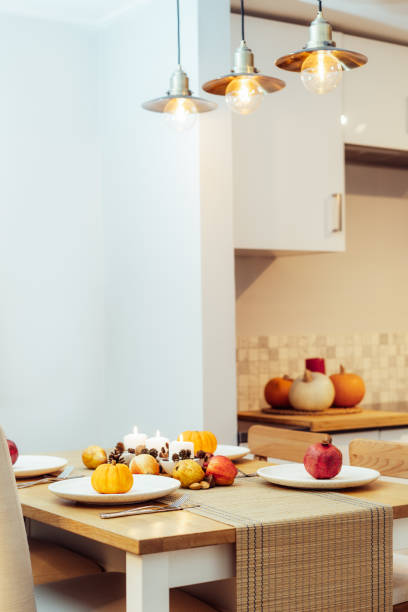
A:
(367, 419)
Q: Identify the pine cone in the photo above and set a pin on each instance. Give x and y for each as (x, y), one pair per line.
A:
(116, 454)
(116, 457)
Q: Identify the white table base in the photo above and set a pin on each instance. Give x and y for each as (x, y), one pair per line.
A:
(150, 577)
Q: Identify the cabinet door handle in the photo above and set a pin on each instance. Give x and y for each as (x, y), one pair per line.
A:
(337, 218)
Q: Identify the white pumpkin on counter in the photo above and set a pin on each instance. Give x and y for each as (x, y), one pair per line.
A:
(312, 392)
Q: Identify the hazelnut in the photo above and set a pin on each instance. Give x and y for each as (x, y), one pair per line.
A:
(195, 486)
(204, 484)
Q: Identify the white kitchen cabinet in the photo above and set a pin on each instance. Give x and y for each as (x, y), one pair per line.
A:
(375, 102)
(397, 434)
(288, 157)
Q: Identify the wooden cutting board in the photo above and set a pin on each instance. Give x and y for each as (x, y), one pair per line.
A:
(328, 412)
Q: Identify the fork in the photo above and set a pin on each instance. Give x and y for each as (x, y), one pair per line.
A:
(178, 504)
(63, 476)
(245, 474)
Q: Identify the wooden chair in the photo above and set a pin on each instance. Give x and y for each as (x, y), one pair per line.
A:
(390, 459)
(287, 444)
(102, 591)
(51, 562)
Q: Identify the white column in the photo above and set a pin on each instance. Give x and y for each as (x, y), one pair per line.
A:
(217, 229)
(168, 226)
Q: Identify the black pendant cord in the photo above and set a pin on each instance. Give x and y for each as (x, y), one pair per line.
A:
(242, 20)
(320, 6)
(178, 34)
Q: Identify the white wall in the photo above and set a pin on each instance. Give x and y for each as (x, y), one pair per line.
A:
(51, 275)
(116, 249)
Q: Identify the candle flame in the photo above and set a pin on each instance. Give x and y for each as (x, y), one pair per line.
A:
(157, 433)
(135, 429)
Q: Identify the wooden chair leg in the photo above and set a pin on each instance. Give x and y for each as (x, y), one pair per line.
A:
(402, 607)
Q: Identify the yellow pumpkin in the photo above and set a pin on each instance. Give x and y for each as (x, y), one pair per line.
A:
(202, 440)
(112, 478)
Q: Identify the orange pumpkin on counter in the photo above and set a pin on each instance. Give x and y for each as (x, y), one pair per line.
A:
(112, 478)
(350, 388)
(202, 440)
(277, 391)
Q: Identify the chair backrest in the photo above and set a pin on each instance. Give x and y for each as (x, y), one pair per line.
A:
(388, 458)
(287, 444)
(16, 581)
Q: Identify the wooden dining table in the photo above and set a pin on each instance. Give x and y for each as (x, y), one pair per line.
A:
(166, 550)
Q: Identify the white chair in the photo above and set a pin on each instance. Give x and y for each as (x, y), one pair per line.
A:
(390, 459)
(104, 592)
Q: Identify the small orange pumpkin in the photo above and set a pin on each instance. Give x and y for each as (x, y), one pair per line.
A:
(202, 440)
(277, 391)
(350, 388)
(112, 478)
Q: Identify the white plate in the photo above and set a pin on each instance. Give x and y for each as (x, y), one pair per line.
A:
(37, 465)
(232, 452)
(295, 475)
(145, 487)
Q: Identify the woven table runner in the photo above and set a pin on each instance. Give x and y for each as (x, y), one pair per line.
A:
(304, 551)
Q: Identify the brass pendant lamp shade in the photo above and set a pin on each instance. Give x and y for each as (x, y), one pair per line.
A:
(179, 104)
(321, 41)
(179, 88)
(243, 67)
(253, 83)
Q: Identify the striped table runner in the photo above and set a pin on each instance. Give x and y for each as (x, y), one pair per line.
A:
(304, 551)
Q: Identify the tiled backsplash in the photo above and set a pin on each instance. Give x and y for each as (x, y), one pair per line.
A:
(380, 358)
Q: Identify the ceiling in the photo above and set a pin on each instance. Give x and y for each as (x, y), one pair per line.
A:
(86, 12)
(381, 19)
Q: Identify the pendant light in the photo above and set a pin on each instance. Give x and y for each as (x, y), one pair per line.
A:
(179, 106)
(320, 63)
(244, 88)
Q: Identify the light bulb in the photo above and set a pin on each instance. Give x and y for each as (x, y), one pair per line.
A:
(180, 113)
(321, 72)
(243, 95)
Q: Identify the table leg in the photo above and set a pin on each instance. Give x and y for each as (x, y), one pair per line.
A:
(147, 583)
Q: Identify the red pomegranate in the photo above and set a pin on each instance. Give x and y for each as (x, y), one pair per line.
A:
(323, 460)
(222, 469)
(13, 451)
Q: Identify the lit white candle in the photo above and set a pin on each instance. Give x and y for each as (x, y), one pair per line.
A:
(135, 439)
(179, 445)
(158, 442)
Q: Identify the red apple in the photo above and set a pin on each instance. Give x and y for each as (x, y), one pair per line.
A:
(323, 460)
(13, 451)
(222, 469)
